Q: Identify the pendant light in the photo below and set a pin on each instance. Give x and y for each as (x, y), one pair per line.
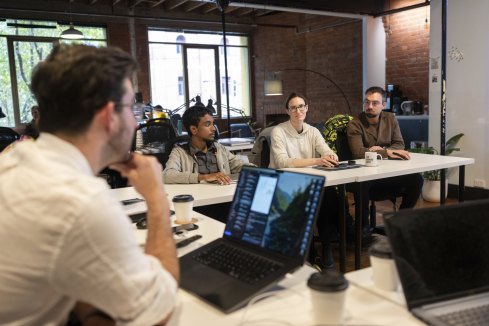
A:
(71, 33)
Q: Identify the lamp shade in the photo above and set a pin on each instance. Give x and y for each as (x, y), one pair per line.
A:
(71, 33)
(273, 87)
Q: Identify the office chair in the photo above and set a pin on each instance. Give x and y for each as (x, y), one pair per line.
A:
(7, 137)
(156, 135)
(260, 153)
(242, 130)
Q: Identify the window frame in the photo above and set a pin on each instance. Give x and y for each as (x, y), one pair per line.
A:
(13, 72)
(219, 45)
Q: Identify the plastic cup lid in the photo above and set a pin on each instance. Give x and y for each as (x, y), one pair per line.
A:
(381, 249)
(182, 198)
(327, 281)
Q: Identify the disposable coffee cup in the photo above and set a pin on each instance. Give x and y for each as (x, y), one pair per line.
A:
(372, 158)
(183, 205)
(328, 293)
(384, 272)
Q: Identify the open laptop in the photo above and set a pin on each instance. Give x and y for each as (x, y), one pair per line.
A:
(269, 229)
(442, 257)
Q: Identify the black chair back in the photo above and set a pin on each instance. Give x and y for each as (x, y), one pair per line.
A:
(241, 130)
(157, 135)
(342, 147)
(7, 137)
(260, 153)
(157, 131)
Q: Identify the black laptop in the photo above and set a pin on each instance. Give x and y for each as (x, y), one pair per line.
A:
(442, 257)
(267, 235)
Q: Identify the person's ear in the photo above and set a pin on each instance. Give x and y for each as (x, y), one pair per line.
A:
(107, 116)
(193, 130)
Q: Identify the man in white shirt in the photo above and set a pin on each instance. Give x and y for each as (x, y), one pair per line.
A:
(65, 242)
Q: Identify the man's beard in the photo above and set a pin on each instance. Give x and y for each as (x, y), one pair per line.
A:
(371, 115)
(120, 151)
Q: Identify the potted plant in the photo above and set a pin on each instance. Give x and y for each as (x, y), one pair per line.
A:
(431, 185)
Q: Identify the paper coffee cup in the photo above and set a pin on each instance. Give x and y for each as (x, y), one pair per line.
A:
(384, 272)
(328, 293)
(183, 205)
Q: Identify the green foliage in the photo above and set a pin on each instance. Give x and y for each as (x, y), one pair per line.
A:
(26, 53)
(332, 126)
(450, 147)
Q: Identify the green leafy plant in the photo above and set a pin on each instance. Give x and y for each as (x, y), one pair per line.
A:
(450, 147)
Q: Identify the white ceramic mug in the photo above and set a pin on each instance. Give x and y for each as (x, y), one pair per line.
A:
(371, 158)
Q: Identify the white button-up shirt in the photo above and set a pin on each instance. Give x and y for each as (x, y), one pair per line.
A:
(63, 238)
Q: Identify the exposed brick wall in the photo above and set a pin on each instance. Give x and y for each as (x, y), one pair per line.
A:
(408, 51)
(118, 35)
(335, 52)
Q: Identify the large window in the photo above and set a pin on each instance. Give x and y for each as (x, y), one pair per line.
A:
(22, 45)
(197, 66)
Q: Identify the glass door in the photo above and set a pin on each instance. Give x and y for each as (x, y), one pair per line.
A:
(201, 70)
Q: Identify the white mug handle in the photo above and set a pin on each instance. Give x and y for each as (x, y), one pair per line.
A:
(379, 156)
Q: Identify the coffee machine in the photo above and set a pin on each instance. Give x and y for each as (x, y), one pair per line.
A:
(418, 108)
(394, 99)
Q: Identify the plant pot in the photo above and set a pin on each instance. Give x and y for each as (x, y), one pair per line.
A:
(431, 190)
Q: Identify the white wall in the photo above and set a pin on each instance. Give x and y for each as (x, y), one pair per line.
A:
(374, 55)
(467, 82)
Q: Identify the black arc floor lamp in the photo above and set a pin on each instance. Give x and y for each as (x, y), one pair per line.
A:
(273, 86)
(222, 5)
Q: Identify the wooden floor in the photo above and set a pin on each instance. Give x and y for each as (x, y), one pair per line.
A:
(384, 206)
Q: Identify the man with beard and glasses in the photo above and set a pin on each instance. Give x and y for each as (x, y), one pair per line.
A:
(66, 243)
(377, 131)
(201, 159)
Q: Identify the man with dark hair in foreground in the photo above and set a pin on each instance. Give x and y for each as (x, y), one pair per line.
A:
(65, 242)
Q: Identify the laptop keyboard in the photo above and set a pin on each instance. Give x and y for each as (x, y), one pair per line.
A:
(237, 263)
(468, 317)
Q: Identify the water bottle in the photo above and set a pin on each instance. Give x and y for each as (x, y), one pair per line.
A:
(138, 108)
(179, 127)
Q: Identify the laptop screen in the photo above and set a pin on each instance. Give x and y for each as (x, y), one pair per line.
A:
(442, 252)
(275, 210)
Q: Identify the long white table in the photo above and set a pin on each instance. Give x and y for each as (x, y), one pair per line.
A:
(386, 169)
(203, 193)
(290, 303)
(208, 194)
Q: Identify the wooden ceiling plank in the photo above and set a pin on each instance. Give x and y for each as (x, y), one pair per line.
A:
(172, 4)
(134, 3)
(208, 8)
(244, 11)
(192, 5)
(157, 3)
(229, 10)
